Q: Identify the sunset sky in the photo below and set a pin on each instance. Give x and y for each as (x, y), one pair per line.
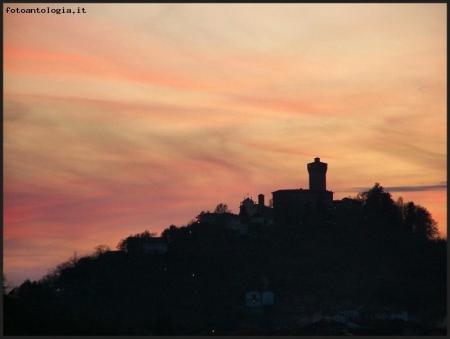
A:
(133, 117)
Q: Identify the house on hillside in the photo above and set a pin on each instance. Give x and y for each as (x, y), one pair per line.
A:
(382, 313)
(253, 299)
(258, 302)
(137, 245)
(350, 313)
(154, 245)
(399, 314)
(256, 298)
(344, 320)
(226, 219)
(253, 213)
(346, 308)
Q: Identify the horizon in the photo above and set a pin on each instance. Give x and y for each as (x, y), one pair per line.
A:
(133, 117)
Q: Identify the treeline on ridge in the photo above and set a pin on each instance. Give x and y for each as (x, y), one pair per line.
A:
(368, 248)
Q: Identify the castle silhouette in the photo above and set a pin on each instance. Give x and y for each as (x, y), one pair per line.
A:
(290, 205)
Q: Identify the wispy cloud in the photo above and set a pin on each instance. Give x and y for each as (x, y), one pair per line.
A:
(137, 116)
(425, 188)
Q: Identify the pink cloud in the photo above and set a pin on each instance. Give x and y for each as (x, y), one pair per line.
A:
(114, 123)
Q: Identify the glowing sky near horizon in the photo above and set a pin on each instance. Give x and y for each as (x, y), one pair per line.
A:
(139, 116)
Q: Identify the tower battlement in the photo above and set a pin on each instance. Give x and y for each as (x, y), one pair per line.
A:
(317, 175)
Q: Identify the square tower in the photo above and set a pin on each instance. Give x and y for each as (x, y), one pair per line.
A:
(317, 175)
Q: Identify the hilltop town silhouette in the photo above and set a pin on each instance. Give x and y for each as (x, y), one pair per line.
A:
(304, 264)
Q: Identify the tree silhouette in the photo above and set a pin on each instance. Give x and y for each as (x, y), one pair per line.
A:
(5, 284)
(208, 269)
(381, 212)
(221, 208)
(417, 220)
(101, 249)
(125, 244)
(377, 200)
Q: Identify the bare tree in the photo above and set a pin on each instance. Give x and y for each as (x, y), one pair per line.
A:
(100, 249)
(221, 208)
(5, 284)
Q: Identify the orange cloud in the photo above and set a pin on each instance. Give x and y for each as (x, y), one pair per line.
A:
(114, 123)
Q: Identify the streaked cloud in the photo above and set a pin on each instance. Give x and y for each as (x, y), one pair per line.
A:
(138, 116)
(437, 187)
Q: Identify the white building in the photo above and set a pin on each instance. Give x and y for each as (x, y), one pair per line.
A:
(226, 219)
(350, 313)
(257, 298)
(253, 299)
(154, 245)
(344, 320)
(268, 298)
(399, 315)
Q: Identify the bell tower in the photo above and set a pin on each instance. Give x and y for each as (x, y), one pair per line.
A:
(317, 175)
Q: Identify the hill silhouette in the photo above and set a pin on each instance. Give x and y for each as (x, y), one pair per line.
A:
(367, 249)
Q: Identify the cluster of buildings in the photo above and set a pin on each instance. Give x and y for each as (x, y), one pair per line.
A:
(152, 245)
(288, 205)
(292, 311)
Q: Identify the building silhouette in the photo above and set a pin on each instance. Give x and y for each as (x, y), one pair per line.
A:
(291, 206)
(317, 175)
(253, 213)
(225, 219)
